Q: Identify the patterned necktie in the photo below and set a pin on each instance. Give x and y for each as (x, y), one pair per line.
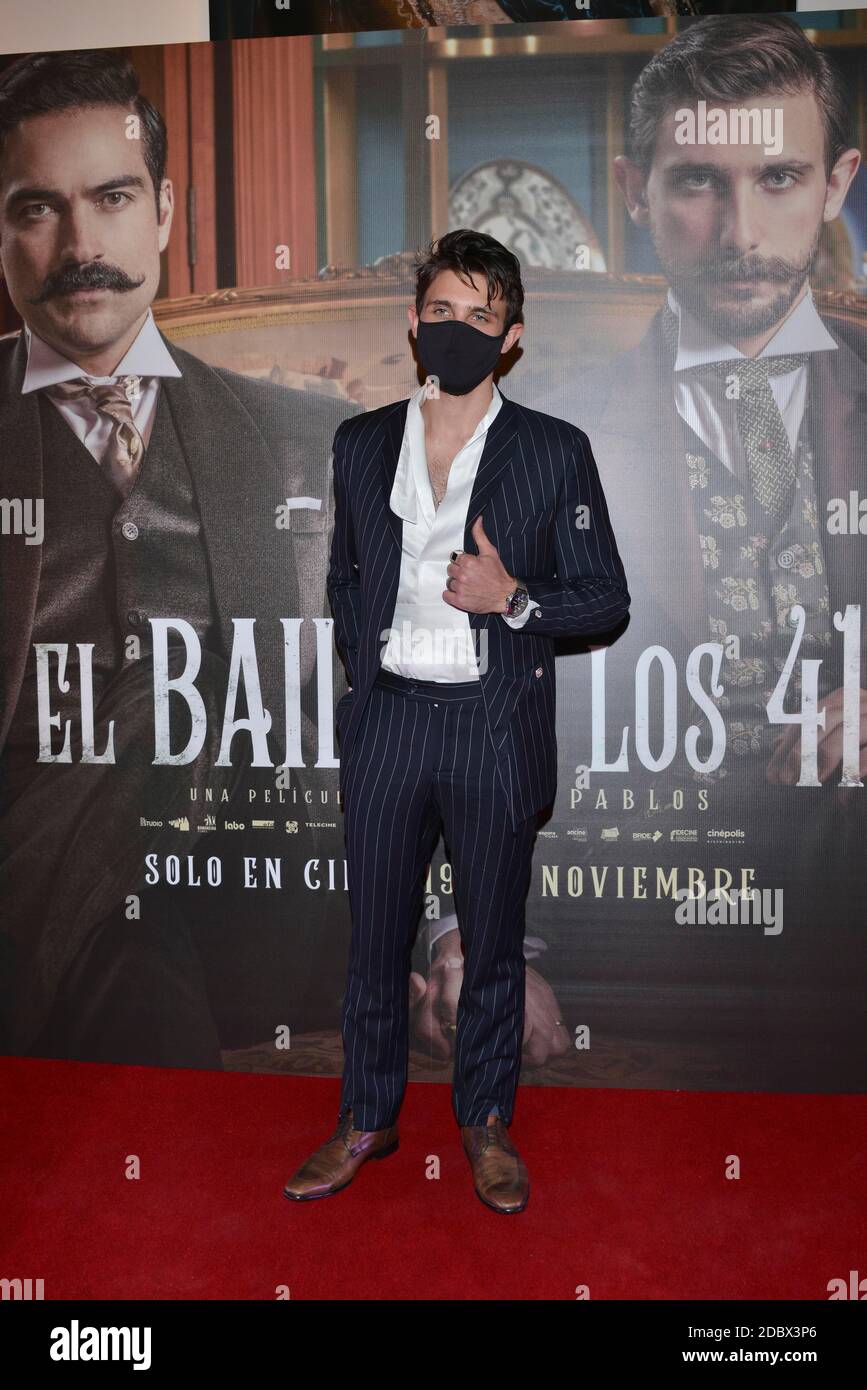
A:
(122, 459)
(760, 424)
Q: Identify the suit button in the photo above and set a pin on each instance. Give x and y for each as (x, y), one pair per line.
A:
(537, 612)
(134, 618)
(129, 531)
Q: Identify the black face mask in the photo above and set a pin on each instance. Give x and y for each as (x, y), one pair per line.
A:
(457, 354)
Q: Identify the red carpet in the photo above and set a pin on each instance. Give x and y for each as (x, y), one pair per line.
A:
(628, 1193)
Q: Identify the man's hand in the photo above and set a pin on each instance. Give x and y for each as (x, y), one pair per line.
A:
(785, 764)
(479, 583)
(434, 1007)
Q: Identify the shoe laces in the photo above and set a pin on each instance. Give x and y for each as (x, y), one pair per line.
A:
(488, 1135)
(497, 1136)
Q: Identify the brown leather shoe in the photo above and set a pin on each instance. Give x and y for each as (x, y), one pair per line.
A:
(499, 1173)
(335, 1163)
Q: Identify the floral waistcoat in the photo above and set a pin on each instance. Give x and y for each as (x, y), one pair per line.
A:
(754, 575)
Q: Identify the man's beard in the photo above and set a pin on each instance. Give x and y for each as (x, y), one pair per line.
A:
(742, 320)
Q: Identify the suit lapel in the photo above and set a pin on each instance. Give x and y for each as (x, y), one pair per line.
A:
(495, 465)
(20, 564)
(644, 473)
(839, 402)
(238, 488)
(494, 468)
(395, 424)
(498, 454)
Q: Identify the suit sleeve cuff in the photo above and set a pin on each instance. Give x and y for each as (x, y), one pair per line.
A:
(522, 617)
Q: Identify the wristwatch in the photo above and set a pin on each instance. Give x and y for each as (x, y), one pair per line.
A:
(517, 601)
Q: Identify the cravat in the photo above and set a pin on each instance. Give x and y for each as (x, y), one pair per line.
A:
(122, 458)
(760, 424)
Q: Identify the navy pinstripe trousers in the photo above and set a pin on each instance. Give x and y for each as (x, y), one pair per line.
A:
(423, 758)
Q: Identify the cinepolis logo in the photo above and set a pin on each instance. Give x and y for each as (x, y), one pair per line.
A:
(75, 1343)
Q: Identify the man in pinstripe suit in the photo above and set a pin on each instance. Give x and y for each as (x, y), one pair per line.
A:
(450, 717)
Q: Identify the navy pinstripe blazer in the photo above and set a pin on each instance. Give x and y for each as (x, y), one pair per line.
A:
(535, 471)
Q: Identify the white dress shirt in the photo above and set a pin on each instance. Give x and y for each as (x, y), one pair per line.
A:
(702, 402)
(430, 639)
(147, 358)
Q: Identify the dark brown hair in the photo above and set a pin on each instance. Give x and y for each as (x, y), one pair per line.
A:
(473, 253)
(42, 82)
(728, 59)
